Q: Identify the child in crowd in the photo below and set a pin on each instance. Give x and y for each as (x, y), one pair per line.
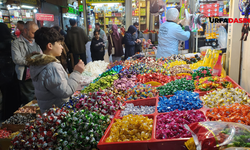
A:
(97, 47)
(51, 82)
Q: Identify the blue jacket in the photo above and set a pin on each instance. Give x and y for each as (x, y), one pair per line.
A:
(170, 34)
(129, 42)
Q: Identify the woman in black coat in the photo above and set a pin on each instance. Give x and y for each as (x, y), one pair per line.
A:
(130, 41)
(97, 47)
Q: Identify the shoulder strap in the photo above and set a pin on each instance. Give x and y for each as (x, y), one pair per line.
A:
(111, 41)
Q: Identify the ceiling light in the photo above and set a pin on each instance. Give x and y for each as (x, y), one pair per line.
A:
(35, 10)
(1, 3)
(26, 6)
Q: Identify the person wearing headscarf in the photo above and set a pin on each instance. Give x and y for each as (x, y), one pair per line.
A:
(9, 86)
(170, 34)
(130, 41)
(115, 41)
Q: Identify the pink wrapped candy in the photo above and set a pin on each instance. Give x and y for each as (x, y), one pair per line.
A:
(125, 83)
(171, 125)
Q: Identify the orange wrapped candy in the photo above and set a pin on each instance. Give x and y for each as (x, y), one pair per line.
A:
(233, 113)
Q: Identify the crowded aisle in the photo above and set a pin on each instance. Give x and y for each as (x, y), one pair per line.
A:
(139, 75)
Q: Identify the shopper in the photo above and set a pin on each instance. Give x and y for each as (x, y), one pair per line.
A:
(20, 26)
(115, 42)
(170, 34)
(63, 57)
(20, 48)
(51, 82)
(130, 41)
(76, 39)
(138, 35)
(67, 28)
(8, 80)
(102, 33)
(97, 47)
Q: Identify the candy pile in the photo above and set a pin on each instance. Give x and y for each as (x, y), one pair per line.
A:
(125, 83)
(4, 133)
(112, 71)
(212, 83)
(173, 58)
(197, 65)
(71, 104)
(225, 97)
(182, 100)
(171, 125)
(188, 76)
(96, 67)
(42, 133)
(201, 73)
(102, 102)
(19, 119)
(157, 77)
(131, 128)
(103, 83)
(13, 135)
(81, 129)
(137, 110)
(31, 110)
(177, 85)
(116, 63)
(193, 60)
(180, 69)
(140, 91)
(233, 113)
(176, 63)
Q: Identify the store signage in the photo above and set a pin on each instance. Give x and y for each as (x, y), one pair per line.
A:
(31, 2)
(44, 17)
(105, 1)
(229, 20)
(73, 11)
(81, 8)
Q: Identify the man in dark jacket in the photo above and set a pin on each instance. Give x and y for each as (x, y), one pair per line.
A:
(138, 35)
(97, 47)
(76, 39)
(130, 41)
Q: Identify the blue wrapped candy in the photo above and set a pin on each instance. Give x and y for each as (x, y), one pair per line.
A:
(182, 100)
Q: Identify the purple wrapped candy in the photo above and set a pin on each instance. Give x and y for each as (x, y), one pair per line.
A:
(171, 125)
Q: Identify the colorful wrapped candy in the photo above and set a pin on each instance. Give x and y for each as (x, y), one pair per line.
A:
(180, 69)
(137, 110)
(232, 113)
(4, 133)
(81, 129)
(13, 135)
(157, 77)
(19, 119)
(225, 97)
(212, 83)
(125, 83)
(176, 63)
(140, 91)
(103, 102)
(182, 100)
(171, 125)
(201, 73)
(177, 85)
(131, 128)
(116, 63)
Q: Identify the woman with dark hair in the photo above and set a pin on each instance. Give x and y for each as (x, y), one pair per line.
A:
(8, 80)
(130, 41)
(63, 57)
(97, 47)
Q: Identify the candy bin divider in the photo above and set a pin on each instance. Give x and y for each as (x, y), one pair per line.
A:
(13, 127)
(131, 145)
(140, 102)
(5, 143)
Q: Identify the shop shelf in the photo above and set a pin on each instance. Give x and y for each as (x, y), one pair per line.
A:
(142, 102)
(129, 145)
(13, 127)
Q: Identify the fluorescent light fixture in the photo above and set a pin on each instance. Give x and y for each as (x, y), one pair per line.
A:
(101, 4)
(26, 6)
(18, 7)
(35, 10)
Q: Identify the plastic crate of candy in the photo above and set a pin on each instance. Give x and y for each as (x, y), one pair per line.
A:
(154, 143)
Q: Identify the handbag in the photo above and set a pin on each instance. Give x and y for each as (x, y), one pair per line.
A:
(112, 44)
(26, 73)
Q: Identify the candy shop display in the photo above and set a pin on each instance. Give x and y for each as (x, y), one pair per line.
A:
(96, 68)
(137, 110)
(232, 113)
(4, 133)
(214, 135)
(177, 85)
(196, 65)
(175, 70)
(176, 63)
(112, 71)
(193, 60)
(19, 119)
(140, 91)
(103, 102)
(188, 76)
(171, 125)
(125, 82)
(30, 110)
(13, 135)
(102, 83)
(116, 63)
(201, 73)
(212, 83)
(182, 100)
(131, 128)
(82, 129)
(42, 133)
(157, 77)
(225, 97)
